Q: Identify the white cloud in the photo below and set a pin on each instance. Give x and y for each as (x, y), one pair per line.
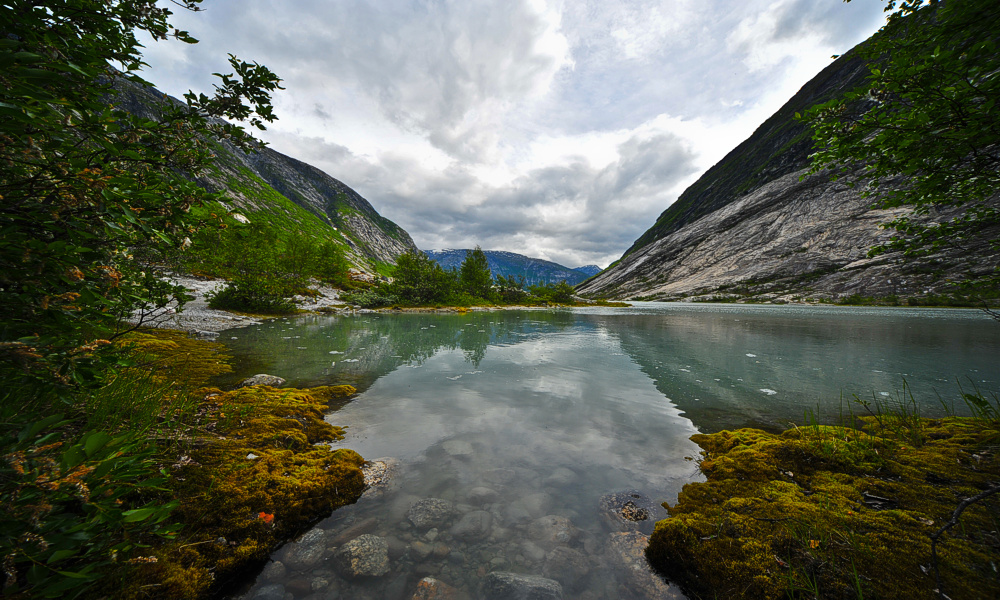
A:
(553, 128)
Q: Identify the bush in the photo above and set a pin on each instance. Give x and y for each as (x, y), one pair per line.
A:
(252, 294)
(371, 298)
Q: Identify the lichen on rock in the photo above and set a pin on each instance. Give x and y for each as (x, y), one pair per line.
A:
(834, 512)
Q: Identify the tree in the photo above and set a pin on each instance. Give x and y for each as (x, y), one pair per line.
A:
(419, 280)
(84, 184)
(926, 117)
(475, 275)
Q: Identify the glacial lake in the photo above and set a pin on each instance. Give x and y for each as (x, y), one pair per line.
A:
(530, 424)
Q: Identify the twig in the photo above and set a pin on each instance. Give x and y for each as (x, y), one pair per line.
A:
(951, 523)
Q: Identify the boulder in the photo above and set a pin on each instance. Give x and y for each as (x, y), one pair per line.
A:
(365, 556)
(262, 379)
(626, 508)
(307, 551)
(433, 589)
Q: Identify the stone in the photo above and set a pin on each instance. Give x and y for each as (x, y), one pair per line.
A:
(501, 476)
(482, 495)
(420, 550)
(458, 448)
(433, 589)
(441, 550)
(274, 570)
(532, 552)
(307, 551)
(365, 556)
(352, 531)
(271, 591)
(500, 585)
(569, 567)
(472, 526)
(627, 550)
(626, 508)
(561, 476)
(552, 530)
(300, 586)
(430, 512)
(432, 534)
(262, 379)
(537, 504)
(397, 547)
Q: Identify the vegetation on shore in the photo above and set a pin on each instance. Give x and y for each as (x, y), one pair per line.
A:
(877, 508)
(418, 281)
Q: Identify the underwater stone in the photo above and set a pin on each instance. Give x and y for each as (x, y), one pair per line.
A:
(366, 556)
(420, 550)
(433, 589)
(627, 551)
(500, 476)
(569, 567)
(457, 448)
(274, 570)
(500, 585)
(552, 530)
(307, 552)
(271, 591)
(473, 526)
(262, 379)
(627, 507)
(482, 495)
(430, 512)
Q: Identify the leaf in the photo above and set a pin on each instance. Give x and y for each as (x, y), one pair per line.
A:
(139, 514)
(95, 442)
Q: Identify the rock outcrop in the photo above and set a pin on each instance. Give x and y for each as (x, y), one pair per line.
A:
(756, 226)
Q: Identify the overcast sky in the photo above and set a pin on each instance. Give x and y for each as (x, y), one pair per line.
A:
(558, 129)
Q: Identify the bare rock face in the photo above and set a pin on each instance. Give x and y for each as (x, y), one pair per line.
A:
(789, 239)
(364, 556)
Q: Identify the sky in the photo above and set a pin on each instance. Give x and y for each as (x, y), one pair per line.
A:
(558, 129)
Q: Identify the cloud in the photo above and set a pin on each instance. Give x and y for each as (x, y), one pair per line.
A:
(552, 128)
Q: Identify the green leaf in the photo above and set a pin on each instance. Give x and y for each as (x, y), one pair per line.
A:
(95, 442)
(138, 514)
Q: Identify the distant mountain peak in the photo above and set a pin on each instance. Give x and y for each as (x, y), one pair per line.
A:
(535, 271)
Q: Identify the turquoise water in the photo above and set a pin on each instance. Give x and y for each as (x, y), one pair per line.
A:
(531, 415)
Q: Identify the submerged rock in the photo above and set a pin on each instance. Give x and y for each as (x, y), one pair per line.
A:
(473, 525)
(365, 556)
(626, 508)
(552, 530)
(627, 552)
(500, 585)
(433, 589)
(262, 379)
(307, 552)
(569, 567)
(430, 512)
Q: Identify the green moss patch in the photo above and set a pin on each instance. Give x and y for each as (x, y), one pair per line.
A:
(249, 476)
(832, 512)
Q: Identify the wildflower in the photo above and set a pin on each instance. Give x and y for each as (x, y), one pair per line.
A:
(267, 517)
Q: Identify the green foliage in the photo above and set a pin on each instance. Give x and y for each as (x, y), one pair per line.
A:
(419, 280)
(475, 276)
(75, 497)
(370, 298)
(559, 293)
(927, 114)
(85, 185)
(265, 265)
(510, 290)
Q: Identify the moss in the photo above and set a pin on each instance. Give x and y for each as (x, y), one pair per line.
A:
(252, 475)
(833, 512)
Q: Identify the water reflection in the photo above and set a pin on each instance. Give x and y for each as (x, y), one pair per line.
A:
(527, 428)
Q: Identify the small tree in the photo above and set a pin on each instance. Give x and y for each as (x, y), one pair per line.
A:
(475, 275)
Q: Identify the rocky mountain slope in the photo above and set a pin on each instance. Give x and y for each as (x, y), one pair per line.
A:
(289, 194)
(756, 227)
(509, 264)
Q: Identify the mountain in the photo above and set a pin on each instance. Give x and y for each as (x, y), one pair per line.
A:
(287, 193)
(589, 270)
(756, 227)
(534, 270)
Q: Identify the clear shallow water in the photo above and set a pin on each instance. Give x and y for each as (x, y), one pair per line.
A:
(533, 416)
